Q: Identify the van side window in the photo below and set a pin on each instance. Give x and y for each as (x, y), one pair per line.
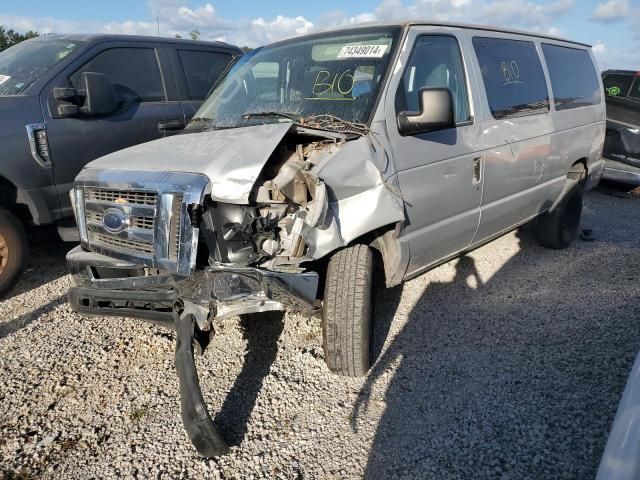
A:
(513, 77)
(435, 62)
(617, 85)
(134, 73)
(574, 79)
(202, 69)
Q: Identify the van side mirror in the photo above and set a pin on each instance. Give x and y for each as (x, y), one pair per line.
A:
(436, 113)
(100, 96)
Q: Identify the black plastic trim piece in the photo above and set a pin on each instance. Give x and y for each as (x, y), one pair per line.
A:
(195, 416)
(86, 301)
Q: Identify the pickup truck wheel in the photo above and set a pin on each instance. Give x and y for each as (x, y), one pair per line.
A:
(558, 227)
(346, 313)
(13, 250)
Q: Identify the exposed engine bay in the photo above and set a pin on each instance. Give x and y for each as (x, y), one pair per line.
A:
(289, 205)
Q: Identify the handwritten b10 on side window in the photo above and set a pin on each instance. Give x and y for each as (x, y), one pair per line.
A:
(511, 72)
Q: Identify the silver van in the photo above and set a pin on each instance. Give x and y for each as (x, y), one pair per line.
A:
(317, 159)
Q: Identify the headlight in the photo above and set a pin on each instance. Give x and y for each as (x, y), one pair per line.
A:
(77, 202)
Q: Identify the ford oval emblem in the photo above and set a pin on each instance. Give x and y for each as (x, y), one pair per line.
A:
(115, 220)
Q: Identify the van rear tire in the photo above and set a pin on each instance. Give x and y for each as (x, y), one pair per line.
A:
(14, 250)
(558, 227)
(346, 313)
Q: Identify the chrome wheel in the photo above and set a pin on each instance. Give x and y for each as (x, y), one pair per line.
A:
(4, 253)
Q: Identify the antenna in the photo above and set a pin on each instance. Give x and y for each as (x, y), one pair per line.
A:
(158, 23)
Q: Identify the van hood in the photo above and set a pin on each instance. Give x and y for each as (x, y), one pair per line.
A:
(232, 159)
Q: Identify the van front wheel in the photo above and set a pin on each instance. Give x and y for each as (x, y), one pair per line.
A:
(346, 313)
(13, 250)
(558, 227)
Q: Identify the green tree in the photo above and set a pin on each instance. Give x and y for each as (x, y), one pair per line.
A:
(8, 38)
(194, 34)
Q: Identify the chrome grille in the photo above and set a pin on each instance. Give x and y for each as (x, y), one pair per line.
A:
(113, 242)
(138, 207)
(121, 197)
(174, 230)
(140, 216)
(144, 223)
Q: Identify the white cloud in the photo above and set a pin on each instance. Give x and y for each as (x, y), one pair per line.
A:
(524, 14)
(611, 11)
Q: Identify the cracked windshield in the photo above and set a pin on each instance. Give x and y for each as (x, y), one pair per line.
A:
(324, 80)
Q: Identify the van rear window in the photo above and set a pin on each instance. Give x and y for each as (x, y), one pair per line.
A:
(513, 77)
(574, 79)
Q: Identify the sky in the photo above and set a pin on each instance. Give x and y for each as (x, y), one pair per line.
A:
(611, 26)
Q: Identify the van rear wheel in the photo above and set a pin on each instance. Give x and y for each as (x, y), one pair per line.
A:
(346, 313)
(13, 250)
(558, 227)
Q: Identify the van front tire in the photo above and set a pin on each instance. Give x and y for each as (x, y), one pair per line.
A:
(558, 227)
(346, 313)
(13, 250)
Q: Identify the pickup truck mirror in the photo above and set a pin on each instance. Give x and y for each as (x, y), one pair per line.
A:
(100, 97)
(436, 113)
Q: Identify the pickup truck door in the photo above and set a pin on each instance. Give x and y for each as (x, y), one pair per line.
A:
(439, 173)
(196, 69)
(149, 109)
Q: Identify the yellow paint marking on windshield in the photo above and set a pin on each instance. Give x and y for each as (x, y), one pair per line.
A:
(342, 83)
(330, 99)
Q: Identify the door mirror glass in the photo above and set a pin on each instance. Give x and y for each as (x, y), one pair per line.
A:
(100, 98)
(436, 113)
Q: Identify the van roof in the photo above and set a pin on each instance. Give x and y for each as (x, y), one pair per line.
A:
(101, 37)
(436, 23)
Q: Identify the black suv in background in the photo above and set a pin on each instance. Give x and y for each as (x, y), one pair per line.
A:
(68, 99)
(622, 143)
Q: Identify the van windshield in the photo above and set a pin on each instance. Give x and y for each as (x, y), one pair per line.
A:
(336, 75)
(23, 64)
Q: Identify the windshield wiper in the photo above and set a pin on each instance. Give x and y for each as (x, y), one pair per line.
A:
(332, 123)
(249, 115)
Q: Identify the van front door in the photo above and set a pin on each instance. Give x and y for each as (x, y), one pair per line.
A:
(440, 173)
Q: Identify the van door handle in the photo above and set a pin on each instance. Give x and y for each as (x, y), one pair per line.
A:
(477, 170)
(167, 125)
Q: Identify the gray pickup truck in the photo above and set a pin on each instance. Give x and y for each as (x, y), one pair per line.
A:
(68, 99)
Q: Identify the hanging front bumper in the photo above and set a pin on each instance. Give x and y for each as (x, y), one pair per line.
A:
(107, 286)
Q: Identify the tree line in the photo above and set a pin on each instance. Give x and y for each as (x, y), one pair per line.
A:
(8, 38)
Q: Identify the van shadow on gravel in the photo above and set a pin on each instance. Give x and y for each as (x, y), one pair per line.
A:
(517, 378)
(261, 331)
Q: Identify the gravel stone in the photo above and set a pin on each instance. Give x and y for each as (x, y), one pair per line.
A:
(507, 363)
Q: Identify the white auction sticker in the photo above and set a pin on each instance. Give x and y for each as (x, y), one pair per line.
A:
(4, 78)
(362, 51)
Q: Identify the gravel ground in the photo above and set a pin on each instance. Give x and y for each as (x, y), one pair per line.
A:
(508, 363)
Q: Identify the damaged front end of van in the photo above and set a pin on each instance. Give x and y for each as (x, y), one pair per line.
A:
(280, 168)
(246, 235)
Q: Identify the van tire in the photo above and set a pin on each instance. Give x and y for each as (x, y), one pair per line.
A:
(346, 313)
(558, 227)
(14, 250)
